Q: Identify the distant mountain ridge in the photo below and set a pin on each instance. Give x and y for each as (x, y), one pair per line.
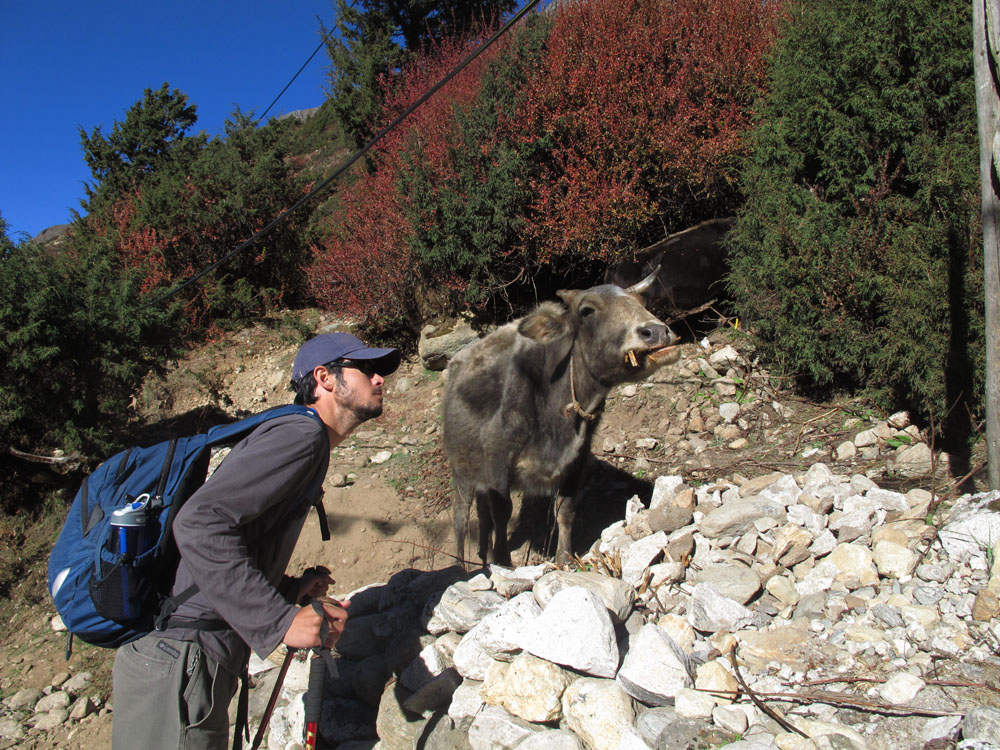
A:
(52, 235)
(300, 114)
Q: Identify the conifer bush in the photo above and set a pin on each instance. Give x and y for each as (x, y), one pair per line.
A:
(857, 255)
(170, 204)
(74, 348)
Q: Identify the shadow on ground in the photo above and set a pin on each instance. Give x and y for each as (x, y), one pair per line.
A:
(601, 504)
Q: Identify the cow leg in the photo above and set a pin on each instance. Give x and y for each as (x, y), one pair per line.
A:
(501, 508)
(565, 512)
(460, 507)
(485, 525)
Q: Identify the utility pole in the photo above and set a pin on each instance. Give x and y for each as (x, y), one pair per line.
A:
(986, 50)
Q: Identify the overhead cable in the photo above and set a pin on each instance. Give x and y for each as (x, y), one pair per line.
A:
(315, 51)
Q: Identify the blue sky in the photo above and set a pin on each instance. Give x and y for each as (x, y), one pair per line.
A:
(67, 65)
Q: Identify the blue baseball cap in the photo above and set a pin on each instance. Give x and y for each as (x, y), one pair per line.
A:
(330, 347)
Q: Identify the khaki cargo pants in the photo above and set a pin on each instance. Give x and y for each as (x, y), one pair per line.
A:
(169, 695)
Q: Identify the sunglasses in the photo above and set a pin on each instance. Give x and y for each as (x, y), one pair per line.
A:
(366, 366)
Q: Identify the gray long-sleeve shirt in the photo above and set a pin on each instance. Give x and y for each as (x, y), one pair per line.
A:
(237, 532)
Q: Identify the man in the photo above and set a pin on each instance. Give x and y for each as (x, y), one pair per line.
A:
(236, 533)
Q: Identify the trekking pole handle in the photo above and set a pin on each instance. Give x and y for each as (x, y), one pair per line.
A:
(317, 678)
(314, 700)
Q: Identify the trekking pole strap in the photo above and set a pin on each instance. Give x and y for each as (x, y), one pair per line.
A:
(324, 628)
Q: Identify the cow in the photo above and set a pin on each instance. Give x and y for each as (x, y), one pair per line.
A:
(697, 261)
(521, 405)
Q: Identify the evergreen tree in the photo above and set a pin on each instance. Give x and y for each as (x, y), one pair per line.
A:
(167, 205)
(238, 185)
(6, 243)
(153, 133)
(74, 347)
(375, 37)
(853, 258)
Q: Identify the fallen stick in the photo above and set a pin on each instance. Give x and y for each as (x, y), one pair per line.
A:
(825, 697)
(782, 721)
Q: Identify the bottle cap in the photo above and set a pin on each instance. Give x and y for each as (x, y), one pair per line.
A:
(133, 514)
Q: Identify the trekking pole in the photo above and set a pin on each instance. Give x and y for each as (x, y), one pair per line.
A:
(289, 655)
(321, 665)
(314, 700)
(324, 630)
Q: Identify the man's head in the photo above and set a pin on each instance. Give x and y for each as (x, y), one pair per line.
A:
(347, 376)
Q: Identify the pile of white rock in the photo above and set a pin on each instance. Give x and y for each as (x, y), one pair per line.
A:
(798, 612)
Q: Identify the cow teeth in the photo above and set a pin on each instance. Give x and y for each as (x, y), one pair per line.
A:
(630, 358)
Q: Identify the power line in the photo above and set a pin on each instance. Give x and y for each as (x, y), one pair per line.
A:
(343, 167)
(315, 51)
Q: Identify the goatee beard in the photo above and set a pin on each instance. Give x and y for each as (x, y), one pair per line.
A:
(364, 413)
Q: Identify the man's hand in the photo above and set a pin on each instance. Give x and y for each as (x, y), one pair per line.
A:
(304, 632)
(313, 583)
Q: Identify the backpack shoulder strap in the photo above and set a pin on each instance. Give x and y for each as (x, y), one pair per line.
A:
(235, 431)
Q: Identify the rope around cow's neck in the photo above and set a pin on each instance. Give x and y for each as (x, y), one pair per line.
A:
(574, 405)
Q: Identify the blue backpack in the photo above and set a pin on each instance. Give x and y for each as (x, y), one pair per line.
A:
(114, 562)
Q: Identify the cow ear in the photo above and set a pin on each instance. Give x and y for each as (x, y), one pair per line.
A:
(580, 303)
(569, 296)
(546, 323)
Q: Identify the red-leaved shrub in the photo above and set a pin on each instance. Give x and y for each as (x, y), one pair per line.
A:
(642, 106)
(362, 264)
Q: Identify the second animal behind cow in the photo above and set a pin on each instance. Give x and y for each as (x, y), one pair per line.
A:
(522, 404)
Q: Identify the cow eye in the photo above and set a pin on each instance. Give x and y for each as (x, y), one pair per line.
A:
(587, 310)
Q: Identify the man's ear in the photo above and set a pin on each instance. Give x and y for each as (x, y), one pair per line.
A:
(324, 377)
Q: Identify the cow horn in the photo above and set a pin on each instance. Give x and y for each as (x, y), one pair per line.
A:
(647, 282)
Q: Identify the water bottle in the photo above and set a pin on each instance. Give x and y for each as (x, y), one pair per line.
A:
(128, 533)
(128, 540)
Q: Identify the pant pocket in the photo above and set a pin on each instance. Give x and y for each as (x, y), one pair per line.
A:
(146, 660)
(206, 697)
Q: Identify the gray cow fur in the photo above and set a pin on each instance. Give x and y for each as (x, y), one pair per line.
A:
(513, 420)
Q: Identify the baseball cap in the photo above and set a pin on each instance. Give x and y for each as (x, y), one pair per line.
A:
(329, 347)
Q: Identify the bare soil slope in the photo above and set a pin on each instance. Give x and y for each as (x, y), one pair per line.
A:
(387, 493)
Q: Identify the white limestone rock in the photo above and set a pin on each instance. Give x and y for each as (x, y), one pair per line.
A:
(894, 560)
(617, 595)
(530, 688)
(693, 704)
(710, 611)
(460, 608)
(599, 711)
(496, 729)
(574, 630)
(639, 555)
(737, 517)
(655, 667)
(901, 688)
(497, 636)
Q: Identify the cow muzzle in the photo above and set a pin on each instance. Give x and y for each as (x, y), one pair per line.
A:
(660, 347)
